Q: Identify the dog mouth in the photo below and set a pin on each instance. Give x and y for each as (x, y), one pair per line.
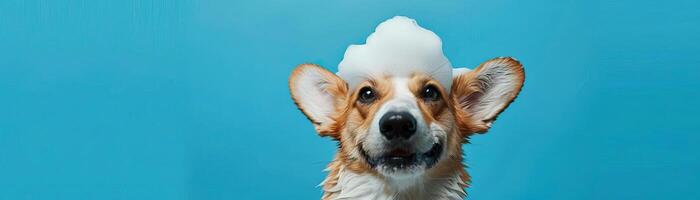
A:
(401, 158)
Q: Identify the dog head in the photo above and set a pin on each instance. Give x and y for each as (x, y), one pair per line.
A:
(397, 107)
(405, 126)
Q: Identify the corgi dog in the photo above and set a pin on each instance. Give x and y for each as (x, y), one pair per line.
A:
(400, 128)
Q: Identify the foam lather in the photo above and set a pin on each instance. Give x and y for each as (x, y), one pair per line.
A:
(398, 47)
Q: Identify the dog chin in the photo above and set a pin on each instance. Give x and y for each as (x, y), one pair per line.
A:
(401, 172)
(400, 163)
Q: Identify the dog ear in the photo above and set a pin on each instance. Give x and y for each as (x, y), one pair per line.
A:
(481, 94)
(320, 95)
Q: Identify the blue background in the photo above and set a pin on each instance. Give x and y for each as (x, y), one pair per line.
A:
(188, 99)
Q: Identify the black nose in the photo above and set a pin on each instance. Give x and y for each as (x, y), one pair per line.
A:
(397, 125)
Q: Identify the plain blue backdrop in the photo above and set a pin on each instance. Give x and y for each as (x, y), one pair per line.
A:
(185, 99)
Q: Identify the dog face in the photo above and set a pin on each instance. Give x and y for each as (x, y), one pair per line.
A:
(405, 126)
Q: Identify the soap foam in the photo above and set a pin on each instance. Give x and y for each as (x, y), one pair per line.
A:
(398, 47)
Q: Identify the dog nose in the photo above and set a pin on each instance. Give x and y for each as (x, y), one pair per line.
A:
(397, 124)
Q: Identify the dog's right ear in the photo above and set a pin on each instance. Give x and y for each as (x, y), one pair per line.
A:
(320, 95)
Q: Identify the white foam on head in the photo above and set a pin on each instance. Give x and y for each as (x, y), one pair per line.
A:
(398, 48)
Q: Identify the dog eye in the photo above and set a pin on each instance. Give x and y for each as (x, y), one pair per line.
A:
(430, 93)
(367, 95)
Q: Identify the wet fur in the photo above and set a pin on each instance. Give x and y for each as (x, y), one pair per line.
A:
(350, 177)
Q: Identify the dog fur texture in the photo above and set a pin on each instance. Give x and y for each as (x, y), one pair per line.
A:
(470, 106)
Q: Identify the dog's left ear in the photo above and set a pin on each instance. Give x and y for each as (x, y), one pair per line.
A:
(320, 95)
(481, 94)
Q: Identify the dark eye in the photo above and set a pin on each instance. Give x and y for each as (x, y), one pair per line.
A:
(430, 93)
(367, 95)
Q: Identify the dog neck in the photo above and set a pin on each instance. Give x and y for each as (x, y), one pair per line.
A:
(343, 183)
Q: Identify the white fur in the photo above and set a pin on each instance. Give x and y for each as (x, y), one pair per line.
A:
(309, 91)
(398, 47)
(402, 100)
(501, 84)
(368, 187)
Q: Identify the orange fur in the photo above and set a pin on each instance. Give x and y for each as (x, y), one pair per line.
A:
(337, 87)
(351, 121)
(469, 87)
